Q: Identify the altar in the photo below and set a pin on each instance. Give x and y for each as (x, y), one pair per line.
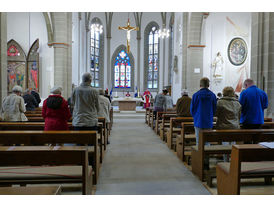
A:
(127, 103)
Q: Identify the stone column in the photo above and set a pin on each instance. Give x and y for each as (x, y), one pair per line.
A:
(164, 68)
(62, 27)
(262, 55)
(108, 16)
(194, 51)
(3, 56)
(109, 83)
(138, 67)
(138, 20)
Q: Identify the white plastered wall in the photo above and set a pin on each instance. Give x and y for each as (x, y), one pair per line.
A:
(178, 42)
(220, 28)
(25, 28)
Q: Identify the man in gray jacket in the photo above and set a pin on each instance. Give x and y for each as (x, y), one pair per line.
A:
(86, 105)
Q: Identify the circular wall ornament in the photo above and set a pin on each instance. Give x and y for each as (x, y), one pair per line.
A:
(237, 51)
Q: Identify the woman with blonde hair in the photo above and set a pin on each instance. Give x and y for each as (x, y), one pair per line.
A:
(228, 113)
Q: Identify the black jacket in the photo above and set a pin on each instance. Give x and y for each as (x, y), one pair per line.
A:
(36, 96)
(30, 101)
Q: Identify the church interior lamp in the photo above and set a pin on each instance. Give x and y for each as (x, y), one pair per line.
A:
(164, 33)
(97, 28)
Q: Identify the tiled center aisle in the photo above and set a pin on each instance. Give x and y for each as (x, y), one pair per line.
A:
(137, 162)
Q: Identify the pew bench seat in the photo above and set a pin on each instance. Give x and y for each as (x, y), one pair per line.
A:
(167, 129)
(44, 190)
(42, 174)
(215, 149)
(248, 160)
(251, 168)
(190, 140)
(248, 170)
(190, 137)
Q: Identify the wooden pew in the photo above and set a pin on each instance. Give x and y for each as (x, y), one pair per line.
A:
(267, 119)
(33, 115)
(103, 131)
(44, 190)
(187, 138)
(111, 118)
(238, 135)
(165, 124)
(103, 124)
(244, 164)
(147, 115)
(150, 117)
(39, 126)
(56, 137)
(45, 156)
(174, 129)
(158, 120)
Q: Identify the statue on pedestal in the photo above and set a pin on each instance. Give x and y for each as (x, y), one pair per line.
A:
(217, 65)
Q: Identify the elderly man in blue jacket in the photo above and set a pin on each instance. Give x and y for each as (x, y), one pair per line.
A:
(203, 108)
(253, 101)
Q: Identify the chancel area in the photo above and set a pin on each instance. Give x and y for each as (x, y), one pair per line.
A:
(136, 103)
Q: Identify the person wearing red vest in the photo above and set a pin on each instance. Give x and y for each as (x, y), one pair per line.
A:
(55, 111)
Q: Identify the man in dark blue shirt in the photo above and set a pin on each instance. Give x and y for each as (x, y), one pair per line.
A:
(253, 101)
(203, 108)
(30, 101)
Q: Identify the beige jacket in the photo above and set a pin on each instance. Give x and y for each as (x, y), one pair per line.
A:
(13, 108)
(228, 113)
(84, 100)
(104, 108)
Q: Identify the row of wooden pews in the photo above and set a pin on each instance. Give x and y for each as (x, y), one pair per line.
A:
(30, 155)
(179, 135)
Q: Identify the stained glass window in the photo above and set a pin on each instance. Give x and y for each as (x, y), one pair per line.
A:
(95, 43)
(153, 61)
(16, 66)
(122, 71)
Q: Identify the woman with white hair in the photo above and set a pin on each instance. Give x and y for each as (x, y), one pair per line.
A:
(55, 111)
(13, 106)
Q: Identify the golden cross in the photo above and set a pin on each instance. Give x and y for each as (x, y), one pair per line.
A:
(128, 28)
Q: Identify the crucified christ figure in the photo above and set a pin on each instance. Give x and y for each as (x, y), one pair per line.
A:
(128, 28)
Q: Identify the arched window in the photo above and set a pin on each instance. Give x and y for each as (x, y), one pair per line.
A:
(96, 52)
(152, 56)
(16, 67)
(122, 71)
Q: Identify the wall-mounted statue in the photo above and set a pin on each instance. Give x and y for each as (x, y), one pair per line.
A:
(217, 66)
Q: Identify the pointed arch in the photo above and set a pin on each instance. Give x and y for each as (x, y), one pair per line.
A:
(151, 57)
(33, 66)
(118, 50)
(16, 67)
(96, 54)
(49, 27)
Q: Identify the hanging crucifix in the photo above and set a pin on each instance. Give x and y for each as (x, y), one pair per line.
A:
(128, 28)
